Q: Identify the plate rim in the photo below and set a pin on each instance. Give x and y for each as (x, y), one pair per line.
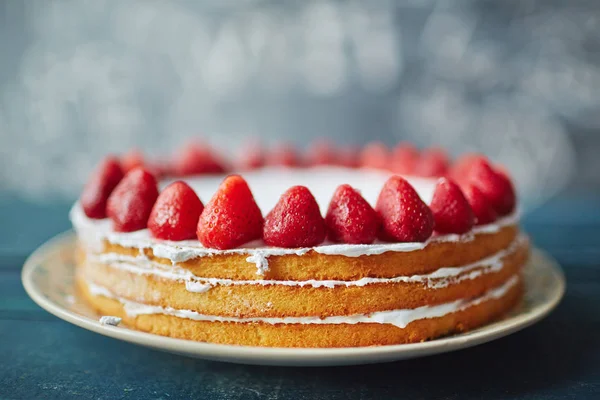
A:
(280, 355)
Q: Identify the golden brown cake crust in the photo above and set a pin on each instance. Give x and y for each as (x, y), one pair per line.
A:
(313, 265)
(280, 301)
(309, 335)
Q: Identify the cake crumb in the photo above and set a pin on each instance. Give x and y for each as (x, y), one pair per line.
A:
(110, 320)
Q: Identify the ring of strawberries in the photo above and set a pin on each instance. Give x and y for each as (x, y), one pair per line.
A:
(469, 191)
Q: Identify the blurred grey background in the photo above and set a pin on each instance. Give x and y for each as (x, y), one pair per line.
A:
(516, 79)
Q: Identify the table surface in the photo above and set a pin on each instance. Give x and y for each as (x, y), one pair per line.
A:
(45, 357)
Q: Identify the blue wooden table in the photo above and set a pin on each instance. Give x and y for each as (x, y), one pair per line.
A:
(43, 357)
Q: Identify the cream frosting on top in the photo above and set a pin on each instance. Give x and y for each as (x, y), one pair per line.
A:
(267, 185)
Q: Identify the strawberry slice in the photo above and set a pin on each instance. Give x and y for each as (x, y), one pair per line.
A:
(102, 182)
(482, 209)
(405, 217)
(295, 221)
(451, 210)
(495, 186)
(433, 162)
(404, 158)
(231, 217)
(131, 202)
(197, 159)
(350, 218)
(374, 155)
(175, 213)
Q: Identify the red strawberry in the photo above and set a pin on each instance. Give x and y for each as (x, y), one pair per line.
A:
(250, 157)
(404, 158)
(433, 162)
(374, 155)
(295, 221)
(197, 159)
(102, 182)
(347, 157)
(450, 208)
(131, 202)
(405, 217)
(459, 170)
(283, 155)
(175, 213)
(231, 218)
(482, 209)
(132, 159)
(350, 218)
(160, 168)
(495, 186)
(320, 153)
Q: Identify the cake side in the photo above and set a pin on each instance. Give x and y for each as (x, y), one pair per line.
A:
(407, 259)
(255, 333)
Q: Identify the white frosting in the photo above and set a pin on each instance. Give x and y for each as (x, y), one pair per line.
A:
(400, 318)
(110, 320)
(267, 185)
(440, 278)
(196, 286)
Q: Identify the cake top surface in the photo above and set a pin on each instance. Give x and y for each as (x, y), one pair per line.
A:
(380, 200)
(269, 183)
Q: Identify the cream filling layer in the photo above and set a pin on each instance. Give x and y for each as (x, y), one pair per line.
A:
(438, 279)
(92, 233)
(400, 318)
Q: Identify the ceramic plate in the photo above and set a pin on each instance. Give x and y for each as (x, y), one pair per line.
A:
(48, 279)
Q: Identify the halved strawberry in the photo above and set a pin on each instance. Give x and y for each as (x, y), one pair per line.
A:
(374, 155)
(282, 155)
(100, 185)
(251, 156)
(295, 221)
(404, 158)
(405, 217)
(320, 152)
(482, 209)
(495, 186)
(347, 157)
(450, 208)
(350, 218)
(132, 159)
(459, 170)
(231, 217)
(433, 162)
(197, 159)
(175, 213)
(131, 202)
